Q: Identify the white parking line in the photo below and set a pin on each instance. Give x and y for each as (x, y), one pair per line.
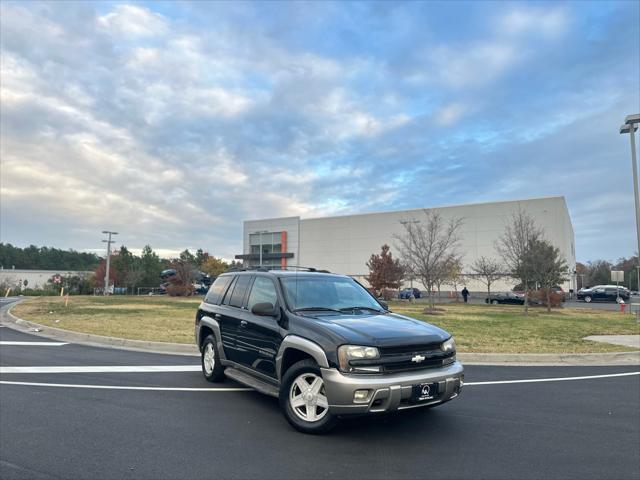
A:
(556, 379)
(242, 389)
(104, 369)
(122, 387)
(41, 344)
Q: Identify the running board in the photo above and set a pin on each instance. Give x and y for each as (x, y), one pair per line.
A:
(251, 381)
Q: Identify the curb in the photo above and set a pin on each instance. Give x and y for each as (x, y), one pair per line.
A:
(512, 359)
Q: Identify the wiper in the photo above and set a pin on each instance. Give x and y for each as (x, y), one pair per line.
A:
(371, 309)
(317, 309)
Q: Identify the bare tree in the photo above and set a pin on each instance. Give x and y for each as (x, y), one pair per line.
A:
(488, 271)
(428, 246)
(516, 247)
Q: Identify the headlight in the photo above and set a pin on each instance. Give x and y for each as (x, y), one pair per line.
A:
(356, 352)
(449, 345)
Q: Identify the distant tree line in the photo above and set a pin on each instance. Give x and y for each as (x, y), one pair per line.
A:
(46, 258)
(126, 270)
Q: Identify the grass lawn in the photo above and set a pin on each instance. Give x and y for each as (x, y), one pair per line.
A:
(477, 328)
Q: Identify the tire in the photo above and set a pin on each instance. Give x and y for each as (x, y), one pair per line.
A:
(587, 299)
(306, 414)
(494, 302)
(212, 368)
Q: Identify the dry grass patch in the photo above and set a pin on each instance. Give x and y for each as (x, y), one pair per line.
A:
(505, 329)
(158, 318)
(477, 328)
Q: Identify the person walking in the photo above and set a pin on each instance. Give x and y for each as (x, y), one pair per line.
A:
(465, 294)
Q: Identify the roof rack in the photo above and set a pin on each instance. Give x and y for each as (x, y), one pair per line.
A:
(268, 269)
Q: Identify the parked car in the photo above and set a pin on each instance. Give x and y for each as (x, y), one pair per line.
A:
(604, 293)
(509, 298)
(323, 345)
(405, 293)
(560, 292)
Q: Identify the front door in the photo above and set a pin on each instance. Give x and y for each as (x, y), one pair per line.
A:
(258, 336)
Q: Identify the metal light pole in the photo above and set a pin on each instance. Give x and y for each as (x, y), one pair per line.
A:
(630, 126)
(106, 275)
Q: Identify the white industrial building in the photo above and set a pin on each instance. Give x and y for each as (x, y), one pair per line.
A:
(35, 279)
(343, 244)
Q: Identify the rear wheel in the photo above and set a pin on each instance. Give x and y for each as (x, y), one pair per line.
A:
(212, 369)
(494, 302)
(303, 399)
(587, 299)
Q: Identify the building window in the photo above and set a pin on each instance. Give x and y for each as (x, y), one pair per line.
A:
(269, 242)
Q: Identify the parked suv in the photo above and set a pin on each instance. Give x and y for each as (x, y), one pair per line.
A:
(323, 345)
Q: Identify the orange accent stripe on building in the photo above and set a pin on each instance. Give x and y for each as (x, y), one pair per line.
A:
(283, 241)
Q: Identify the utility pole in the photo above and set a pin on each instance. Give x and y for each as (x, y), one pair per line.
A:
(106, 275)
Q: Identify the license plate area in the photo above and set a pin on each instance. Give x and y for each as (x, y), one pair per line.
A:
(423, 392)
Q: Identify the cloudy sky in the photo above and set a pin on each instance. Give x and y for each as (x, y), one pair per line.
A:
(173, 122)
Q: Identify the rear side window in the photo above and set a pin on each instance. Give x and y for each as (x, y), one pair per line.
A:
(263, 291)
(237, 297)
(217, 289)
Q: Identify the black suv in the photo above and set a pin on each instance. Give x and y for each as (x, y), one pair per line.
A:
(323, 345)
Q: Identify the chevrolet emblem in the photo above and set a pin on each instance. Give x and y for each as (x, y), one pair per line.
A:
(418, 358)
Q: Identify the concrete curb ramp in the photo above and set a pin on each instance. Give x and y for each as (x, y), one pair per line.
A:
(515, 359)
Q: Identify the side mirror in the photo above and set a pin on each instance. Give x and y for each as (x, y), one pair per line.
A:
(265, 309)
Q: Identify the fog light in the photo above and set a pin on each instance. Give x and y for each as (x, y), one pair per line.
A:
(360, 395)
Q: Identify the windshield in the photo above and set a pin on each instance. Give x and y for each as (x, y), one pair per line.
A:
(327, 293)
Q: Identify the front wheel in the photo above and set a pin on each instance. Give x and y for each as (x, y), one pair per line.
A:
(494, 302)
(303, 399)
(587, 299)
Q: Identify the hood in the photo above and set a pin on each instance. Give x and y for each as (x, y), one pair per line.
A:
(382, 330)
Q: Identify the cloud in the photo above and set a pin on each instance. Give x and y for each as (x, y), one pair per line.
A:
(132, 20)
(173, 123)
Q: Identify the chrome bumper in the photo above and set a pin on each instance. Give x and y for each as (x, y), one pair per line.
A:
(388, 392)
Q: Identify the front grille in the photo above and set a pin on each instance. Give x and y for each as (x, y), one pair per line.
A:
(402, 359)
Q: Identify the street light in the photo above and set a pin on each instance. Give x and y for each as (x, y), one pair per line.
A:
(630, 126)
(106, 274)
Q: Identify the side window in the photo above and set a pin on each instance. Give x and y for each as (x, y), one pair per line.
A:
(218, 289)
(263, 291)
(227, 296)
(239, 290)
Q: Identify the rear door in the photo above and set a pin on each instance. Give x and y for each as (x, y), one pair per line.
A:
(231, 313)
(259, 337)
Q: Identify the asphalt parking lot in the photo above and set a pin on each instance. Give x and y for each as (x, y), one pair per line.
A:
(104, 413)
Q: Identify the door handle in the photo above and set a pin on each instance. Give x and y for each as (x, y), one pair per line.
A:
(243, 323)
(217, 315)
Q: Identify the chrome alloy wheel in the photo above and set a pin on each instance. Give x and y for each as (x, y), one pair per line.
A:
(307, 397)
(209, 360)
